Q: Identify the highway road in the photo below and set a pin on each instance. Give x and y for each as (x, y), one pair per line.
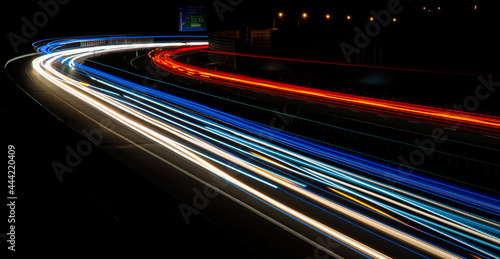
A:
(415, 112)
(306, 189)
(418, 142)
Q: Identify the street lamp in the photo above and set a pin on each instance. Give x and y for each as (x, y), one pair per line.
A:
(304, 16)
(348, 18)
(280, 15)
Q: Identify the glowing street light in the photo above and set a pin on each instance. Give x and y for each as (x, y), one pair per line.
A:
(327, 16)
(348, 18)
(280, 15)
(371, 19)
(304, 16)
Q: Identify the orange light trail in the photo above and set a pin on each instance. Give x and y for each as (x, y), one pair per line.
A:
(366, 205)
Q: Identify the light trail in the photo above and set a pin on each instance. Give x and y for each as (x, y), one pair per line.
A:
(208, 137)
(439, 116)
(366, 205)
(51, 74)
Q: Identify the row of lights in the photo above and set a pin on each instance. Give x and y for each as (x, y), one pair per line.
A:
(328, 16)
(430, 10)
(439, 8)
(348, 17)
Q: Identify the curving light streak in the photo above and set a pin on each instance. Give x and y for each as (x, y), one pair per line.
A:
(412, 180)
(445, 117)
(44, 66)
(210, 137)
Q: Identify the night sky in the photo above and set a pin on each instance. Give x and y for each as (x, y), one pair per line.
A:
(456, 31)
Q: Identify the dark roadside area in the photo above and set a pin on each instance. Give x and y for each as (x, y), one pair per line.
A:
(417, 85)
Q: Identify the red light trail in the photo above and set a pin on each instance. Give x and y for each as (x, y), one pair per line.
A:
(439, 116)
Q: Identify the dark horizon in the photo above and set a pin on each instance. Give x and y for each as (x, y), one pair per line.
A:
(455, 25)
